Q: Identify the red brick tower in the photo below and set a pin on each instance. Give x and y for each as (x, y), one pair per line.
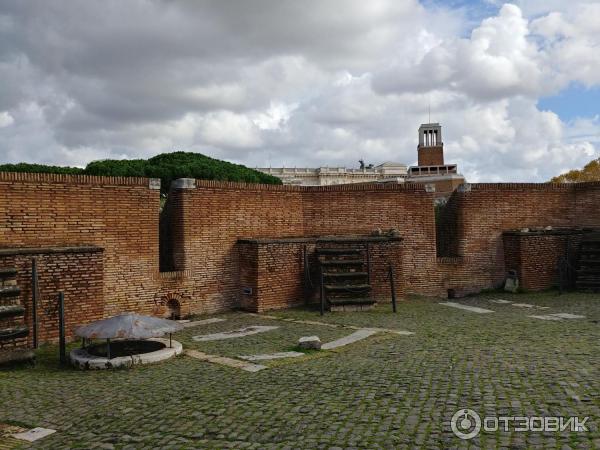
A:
(431, 147)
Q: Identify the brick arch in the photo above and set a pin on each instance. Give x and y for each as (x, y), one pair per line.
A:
(172, 305)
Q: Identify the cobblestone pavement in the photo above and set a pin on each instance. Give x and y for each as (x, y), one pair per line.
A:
(387, 391)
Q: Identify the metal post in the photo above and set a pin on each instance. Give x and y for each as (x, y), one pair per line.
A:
(34, 295)
(61, 328)
(322, 293)
(392, 286)
(108, 349)
(170, 342)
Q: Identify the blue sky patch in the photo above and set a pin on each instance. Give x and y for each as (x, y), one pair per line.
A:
(573, 102)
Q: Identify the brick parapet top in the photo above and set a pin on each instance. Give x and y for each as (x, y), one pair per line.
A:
(552, 232)
(24, 177)
(531, 186)
(48, 250)
(319, 239)
(190, 183)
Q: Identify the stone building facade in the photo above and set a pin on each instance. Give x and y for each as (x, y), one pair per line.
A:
(431, 170)
(326, 176)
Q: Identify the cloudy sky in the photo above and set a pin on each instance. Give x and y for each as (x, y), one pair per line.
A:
(303, 82)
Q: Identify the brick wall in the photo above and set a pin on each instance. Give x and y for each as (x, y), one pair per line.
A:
(587, 204)
(204, 220)
(215, 215)
(362, 209)
(536, 256)
(212, 218)
(76, 271)
(382, 254)
(120, 215)
(274, 270)
(477, 214)
(430, 156)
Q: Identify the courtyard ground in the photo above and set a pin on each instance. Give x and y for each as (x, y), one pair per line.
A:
(387, 391)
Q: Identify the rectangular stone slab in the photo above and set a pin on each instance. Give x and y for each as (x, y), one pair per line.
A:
(384, 330)
(269, 356)
(196, 323)
(350, 339)
(34, 434)
(548, 317)
(567, 316)
(474, 309)
(246, 331)
(224, 361)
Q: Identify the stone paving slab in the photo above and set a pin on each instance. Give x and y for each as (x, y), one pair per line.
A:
(270, 356)
(196, 323)
(385, 330)
(358, 335)
(559, 316)
(304, 322)
(474, 309)
(568, 316)
(547, 317)
(34, 434)
(241, 332)
(224, 361)
(333, 325)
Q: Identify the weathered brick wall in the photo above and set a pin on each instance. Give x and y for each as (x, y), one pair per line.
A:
(117, 214)
(587, 204)
(536, 256)
(478, 214)
(248, 276)
(204, 223)
(382, 254)
(280, 281)
(215, 215)
(431, 156)
(78, 272)
(275, 270)
(359, 209)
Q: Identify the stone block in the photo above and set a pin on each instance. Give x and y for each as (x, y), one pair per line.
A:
(310, 342)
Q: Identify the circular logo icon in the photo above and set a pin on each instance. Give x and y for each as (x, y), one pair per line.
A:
(466, 424)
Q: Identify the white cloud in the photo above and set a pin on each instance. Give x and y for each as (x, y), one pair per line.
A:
(275, 117)
(496, 61)
(282, 82)
(227, 129)
(6, 119)
(572, 43)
